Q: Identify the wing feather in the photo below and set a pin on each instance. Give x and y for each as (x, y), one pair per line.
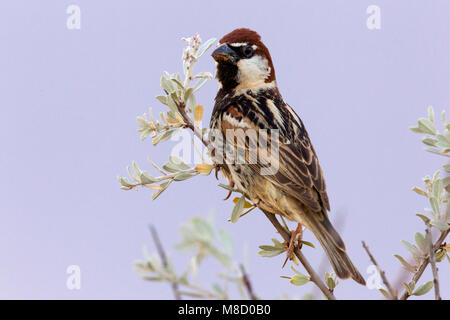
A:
(299, 173)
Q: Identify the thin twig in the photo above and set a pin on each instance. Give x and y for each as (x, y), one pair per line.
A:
(434, 269)
(312, 274)
(391, 292)
(247, 283)
(163, 257)
(425, 262)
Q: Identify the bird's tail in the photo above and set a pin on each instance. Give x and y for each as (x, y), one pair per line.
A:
(334, 247)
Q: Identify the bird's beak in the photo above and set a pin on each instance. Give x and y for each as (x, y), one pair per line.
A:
(225, 53)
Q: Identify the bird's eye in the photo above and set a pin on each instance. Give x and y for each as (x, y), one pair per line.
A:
(248, 51)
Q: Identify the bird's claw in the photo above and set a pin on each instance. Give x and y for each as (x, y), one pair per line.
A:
(292, 242)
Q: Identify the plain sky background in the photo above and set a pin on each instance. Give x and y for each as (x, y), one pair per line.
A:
(69, 99)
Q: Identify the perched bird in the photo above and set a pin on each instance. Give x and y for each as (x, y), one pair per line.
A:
(249, 99)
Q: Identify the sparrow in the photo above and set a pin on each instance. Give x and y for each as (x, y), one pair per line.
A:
(248, 100)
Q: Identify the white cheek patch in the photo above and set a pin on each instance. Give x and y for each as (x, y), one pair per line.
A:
(253, 71)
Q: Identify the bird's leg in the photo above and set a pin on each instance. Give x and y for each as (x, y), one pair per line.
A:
(290, 250)
(217, 169)
(230, 192)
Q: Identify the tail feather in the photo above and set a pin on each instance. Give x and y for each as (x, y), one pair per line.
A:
(334, 247)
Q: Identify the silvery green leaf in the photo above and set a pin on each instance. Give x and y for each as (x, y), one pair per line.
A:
(440, 255)
(199, 84)
(179, 163)
(440, 225)
(435, 176)
(427, 126)
(124, 182)
(299, 279)
(132, 175)
(218, 289)
(175, 96)
(206, 75)
(307, 243)
(385, 294)
(420, 191)
(167, 85)
(433, 150)
(442, 142)
(163, 186)
(146, 178)
(163, 137)
(149, 278)
(269, 253)
(192, 102)
(405, 264)
(136, 169)
(416, 130)
(237, 210)
(278, 244)
(430, 141)
(144, 134)
(412, 248)
(437, 188)
(170, 167)
(412, 284)
(193, 265)
(423, 289)
(330, 281)
(435, 206)
(187, 94)
(183, 176)
(420, 241)
(162, 99)
(185, 67)
(424, 218)
(407, 288)
(142, 122)
(226, 240)
(178, 83)
(203, 228)
(172, 105)
(183, 279)
(431, 114)
(223, 258)
(204, 47)
(190, 294)
(269, 248)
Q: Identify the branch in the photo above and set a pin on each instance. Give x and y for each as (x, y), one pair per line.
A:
(433, 264)
(247, 283)
(312, 274)
(425, 262)
(163, 257)
(391, 292)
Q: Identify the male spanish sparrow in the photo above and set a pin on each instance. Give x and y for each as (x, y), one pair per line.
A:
(249, 100)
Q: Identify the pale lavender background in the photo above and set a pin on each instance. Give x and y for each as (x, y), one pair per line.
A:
(67, 127)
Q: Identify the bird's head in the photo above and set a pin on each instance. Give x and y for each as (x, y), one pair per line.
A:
(243, 62)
